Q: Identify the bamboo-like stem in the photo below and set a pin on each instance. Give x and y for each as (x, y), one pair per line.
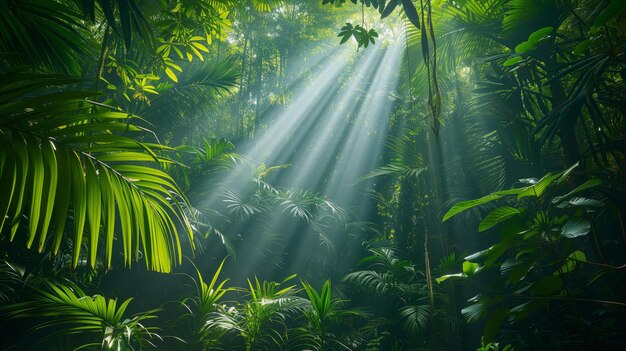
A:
(103, 53)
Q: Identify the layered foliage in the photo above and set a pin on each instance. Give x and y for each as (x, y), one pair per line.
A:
(64, 154)
(115, 120)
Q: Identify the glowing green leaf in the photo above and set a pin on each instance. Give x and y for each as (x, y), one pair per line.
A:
(496, 216)
(539, 34)
(524, 47)
(171, 74)
(469, 268)
(466, 205)
(512, 61)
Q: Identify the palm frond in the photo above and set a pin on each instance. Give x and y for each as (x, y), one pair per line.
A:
(406, 161)
(11, 277)
(199, 89)
(124, 16)
(416, 317)
(388, 274)
(68, 310)
(239, 206)
(71, 158)
(44, 34)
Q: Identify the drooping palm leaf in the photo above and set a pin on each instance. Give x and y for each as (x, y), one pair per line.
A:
(44, 34)
(126, 17)
(72, 170)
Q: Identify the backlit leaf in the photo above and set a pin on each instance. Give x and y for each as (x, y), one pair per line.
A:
(576, 227)
(496, 216)
(466, 205)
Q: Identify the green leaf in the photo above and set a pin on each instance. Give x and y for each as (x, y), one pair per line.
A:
(79, 197)
(411, 12)
(8, 181)
(479, 309)
(576, 227)
(547, 286)
(443, 278)
(571, 261)
(94, 209)
(64, 191)
(540, 187)
(565, 174)
(524, 46)
(493, 324)
(497, 250)
(512, 61)
(466, 205)
(478, 256)
(345, 38)
(586, 185)
(47, 204)
(516, 269)
(539, 34)
(584, 202)
(496, 216)
(389, 8)
(582, 47)
(469, 268)
(108, 203)
(171, 74)
(38, 175)
(22, 165)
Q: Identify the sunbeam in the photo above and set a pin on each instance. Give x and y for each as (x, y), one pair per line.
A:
(341, 122)
(365, 139)
(286, 124)
(325, 141)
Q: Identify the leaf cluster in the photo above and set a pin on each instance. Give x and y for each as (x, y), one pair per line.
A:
(538, 252)
(363, 36)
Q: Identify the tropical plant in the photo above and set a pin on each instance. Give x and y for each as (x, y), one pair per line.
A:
(540, 261)
(44, 34)
(98, 322)
(257, 323)
(325, 315)
(191, 327)
(66, 155)
(11, 277)
(394, 282)
(178, 109)
(254, 219)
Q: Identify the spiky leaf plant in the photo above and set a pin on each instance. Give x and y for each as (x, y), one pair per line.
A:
(72, 169)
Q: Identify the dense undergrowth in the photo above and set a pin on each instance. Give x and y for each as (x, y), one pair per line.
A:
(262, 175)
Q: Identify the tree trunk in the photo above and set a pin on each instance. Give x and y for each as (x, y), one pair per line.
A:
(239, 121)
(259, 87)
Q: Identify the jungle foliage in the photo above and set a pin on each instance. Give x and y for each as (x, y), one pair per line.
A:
(132, 220)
